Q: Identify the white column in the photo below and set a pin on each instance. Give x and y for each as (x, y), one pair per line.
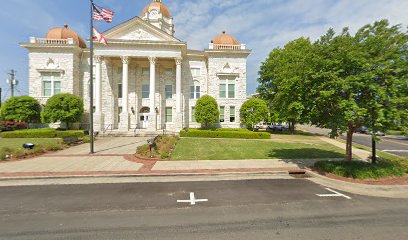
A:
(152, 84)
(98, 84)
(124, 116)
(178, 85)
(98, 115)
(125, 84)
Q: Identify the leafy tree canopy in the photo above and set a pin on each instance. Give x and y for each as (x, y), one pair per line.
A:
(21, 109)
(341, 81)
(253, 112)
(206, 111)
(63, 107)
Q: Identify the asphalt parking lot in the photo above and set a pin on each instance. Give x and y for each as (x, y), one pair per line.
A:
(242, 209)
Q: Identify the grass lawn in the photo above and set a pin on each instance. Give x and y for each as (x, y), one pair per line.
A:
(396, 132)
(17, 143)
(235, 149)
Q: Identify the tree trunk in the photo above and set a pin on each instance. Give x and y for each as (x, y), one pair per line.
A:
(349, 144)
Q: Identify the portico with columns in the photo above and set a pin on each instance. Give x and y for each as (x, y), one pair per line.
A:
(145, 78)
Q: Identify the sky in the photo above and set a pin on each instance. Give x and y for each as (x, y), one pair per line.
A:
(261, 24)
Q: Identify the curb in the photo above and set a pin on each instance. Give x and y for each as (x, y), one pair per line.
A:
(387, 191)
(3, 179)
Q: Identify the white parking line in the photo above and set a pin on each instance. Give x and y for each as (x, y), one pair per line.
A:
(336, 194)
(192, 200)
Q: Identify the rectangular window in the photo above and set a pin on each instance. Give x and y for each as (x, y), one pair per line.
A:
(223, 89)
(222, 114)
(195, 72)
(169, 114)
(47, 89)
(195, 92)
(145, 91)
(231, 90)
(169, 91)
(57, 87)
(193, 114)
(146, 71)
(120, 92)
(232, 114)
(51, 84)
(198, 92)
(227, 88)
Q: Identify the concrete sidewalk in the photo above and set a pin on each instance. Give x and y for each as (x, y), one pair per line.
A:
(362, 154)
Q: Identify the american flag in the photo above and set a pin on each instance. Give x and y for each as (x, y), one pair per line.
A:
(100, 13)
(98, 36)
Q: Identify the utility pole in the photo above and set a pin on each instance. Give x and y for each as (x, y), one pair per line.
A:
(12, 81)
(0, 97)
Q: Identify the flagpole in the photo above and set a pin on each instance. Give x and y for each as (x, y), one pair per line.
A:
(91, 130)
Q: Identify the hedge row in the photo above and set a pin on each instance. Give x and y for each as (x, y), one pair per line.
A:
(43, 133)
(222, 129)
(225, 134)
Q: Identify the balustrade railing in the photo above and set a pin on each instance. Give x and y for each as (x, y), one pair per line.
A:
(69, 41)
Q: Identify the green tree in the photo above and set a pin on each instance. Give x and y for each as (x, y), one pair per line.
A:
(285, 81)
(253, 112)
(206, 111)
(64, 107)
(21, 109)
(342, 81)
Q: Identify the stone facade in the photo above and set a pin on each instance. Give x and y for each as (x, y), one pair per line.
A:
(156, 62)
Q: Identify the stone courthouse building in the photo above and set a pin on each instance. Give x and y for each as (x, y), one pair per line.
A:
(145, 78)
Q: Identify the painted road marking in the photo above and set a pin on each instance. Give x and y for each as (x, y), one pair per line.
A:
(393, 141)
(192, 200)
(336, 194)
(394, 150)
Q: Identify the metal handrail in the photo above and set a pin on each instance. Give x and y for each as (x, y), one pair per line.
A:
(106, 129)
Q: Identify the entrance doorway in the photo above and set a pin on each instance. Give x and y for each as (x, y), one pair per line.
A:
(144, 117)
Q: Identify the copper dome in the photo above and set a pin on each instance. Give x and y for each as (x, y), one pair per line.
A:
(65, 33)
(225, 39)
(157, 5)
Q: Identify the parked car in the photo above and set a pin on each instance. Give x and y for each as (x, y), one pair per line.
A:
(261, 126)
(363, 130)
(277, 126)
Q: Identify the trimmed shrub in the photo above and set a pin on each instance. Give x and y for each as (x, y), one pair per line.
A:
(63, 107)
(225, 134)
(43, 133)
(222, 129)
(206, 111)
(21, 109)
(70, 133)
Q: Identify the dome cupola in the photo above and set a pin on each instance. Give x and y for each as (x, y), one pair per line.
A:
(225, 39)
(156, 7)
(65, 33)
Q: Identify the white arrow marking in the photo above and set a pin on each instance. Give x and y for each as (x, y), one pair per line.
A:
(192, 200)
(336, 194)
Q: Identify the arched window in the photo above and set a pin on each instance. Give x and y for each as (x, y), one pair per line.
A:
(195, 90)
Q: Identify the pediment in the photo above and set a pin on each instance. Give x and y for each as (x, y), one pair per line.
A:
(138, 30)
